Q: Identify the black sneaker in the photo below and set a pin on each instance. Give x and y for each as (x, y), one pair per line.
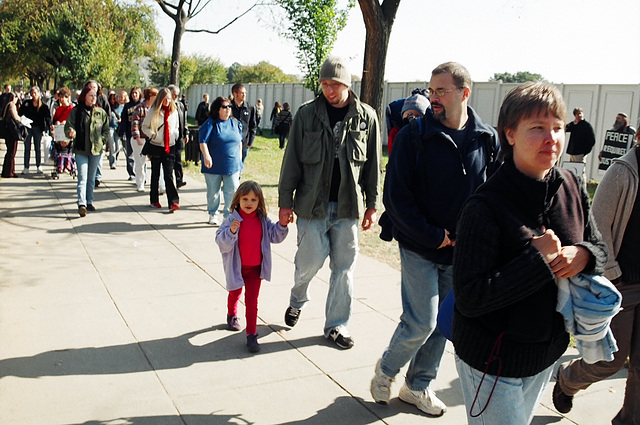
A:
(291, 316)
(343, 341)
(561, 401)
(91, 208)
(252, 343)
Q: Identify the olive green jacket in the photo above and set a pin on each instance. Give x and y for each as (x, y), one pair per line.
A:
(307, 166)
(98, 132)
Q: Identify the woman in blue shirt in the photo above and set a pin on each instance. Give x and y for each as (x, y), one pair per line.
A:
(221, 147)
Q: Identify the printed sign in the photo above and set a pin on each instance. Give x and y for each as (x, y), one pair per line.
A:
(58, 133)
(616, 144)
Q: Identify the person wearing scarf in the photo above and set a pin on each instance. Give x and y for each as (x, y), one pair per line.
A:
(88, 127)
(161, 125)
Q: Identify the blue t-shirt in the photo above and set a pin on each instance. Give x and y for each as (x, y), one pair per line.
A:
(223, 139)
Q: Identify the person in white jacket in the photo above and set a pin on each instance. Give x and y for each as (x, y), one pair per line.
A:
(161, 126)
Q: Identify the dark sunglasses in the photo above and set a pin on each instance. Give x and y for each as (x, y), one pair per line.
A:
(225, 106)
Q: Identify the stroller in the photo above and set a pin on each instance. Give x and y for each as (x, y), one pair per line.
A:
(63, 159)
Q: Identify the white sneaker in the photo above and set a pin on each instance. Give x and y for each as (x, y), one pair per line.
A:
(25, 171)
(40, 170)
(424, 400)
(381, 385)
(213, 219)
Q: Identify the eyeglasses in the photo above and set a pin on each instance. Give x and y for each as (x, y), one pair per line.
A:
(225, 106)
(441, 92)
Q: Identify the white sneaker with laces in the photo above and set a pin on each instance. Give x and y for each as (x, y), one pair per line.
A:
(213, 219)
(40, 170)
(381, 385)
(26, 170)
(425, 400)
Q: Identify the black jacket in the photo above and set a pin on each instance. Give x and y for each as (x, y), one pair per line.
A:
(427, 184)
(246, 114)
(582, 138)
(41, 117)
(202, 112)
(502, 284)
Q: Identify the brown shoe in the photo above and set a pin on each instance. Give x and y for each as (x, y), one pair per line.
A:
(82, 210)
(562, 402)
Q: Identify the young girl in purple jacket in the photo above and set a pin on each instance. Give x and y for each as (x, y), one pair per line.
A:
(245, 239)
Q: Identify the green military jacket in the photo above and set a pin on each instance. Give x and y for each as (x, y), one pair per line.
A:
(98, 132)
(307, 166)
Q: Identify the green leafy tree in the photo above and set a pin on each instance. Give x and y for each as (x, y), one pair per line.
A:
(195, 69)
(518, 77)
(160, 71)
(209, 71)
(263, 72)
(73, 40)
(233, 71)
(314, 26)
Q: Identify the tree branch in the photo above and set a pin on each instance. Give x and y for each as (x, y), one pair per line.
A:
(197, 8)
(163, 5)
(228, 23)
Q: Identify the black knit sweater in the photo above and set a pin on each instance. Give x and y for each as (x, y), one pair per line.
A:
(502, 284)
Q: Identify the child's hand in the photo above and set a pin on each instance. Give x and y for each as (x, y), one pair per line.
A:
(284, 221)
(235, 225)
(285, 216)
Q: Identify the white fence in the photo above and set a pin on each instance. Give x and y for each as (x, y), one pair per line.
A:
(601, 103)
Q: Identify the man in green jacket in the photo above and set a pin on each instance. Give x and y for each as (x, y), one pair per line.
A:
(330, 173)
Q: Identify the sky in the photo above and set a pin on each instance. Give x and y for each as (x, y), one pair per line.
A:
(570, 42)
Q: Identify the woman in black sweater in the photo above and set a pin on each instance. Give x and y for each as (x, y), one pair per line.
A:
(36, 110)
(528, 224)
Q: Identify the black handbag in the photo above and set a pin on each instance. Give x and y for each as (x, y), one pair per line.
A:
(15, 129)
(146, 148)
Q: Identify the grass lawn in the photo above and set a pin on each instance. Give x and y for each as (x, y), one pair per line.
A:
(263, 165)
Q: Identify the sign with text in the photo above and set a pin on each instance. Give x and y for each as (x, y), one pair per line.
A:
(616, 144)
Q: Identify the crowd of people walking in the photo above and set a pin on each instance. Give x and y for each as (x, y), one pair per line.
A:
(495, 238)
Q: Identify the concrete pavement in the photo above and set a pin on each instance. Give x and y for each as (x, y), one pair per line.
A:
(119, 318)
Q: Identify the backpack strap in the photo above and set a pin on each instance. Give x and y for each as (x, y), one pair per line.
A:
(416, 139)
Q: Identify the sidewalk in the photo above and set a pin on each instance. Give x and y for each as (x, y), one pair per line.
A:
(119, 318)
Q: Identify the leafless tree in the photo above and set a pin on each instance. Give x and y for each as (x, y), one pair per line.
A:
(378, 20)
(181, 12)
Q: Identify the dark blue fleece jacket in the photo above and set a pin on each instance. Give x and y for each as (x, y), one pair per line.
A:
(428, 182)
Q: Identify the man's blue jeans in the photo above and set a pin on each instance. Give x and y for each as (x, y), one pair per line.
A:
(317, 239)
(424, 285)
(229, 185)
(87, 166)
(513, 401)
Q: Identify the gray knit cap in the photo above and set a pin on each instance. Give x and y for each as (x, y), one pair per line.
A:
(417, 102)
(335, 69)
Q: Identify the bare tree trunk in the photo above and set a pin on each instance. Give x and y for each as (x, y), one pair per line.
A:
(378, 20)
(175, 52)
(375, 59)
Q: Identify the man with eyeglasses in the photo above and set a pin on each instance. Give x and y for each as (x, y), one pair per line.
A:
(330, 174)
(436, 164)
(246, 114)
